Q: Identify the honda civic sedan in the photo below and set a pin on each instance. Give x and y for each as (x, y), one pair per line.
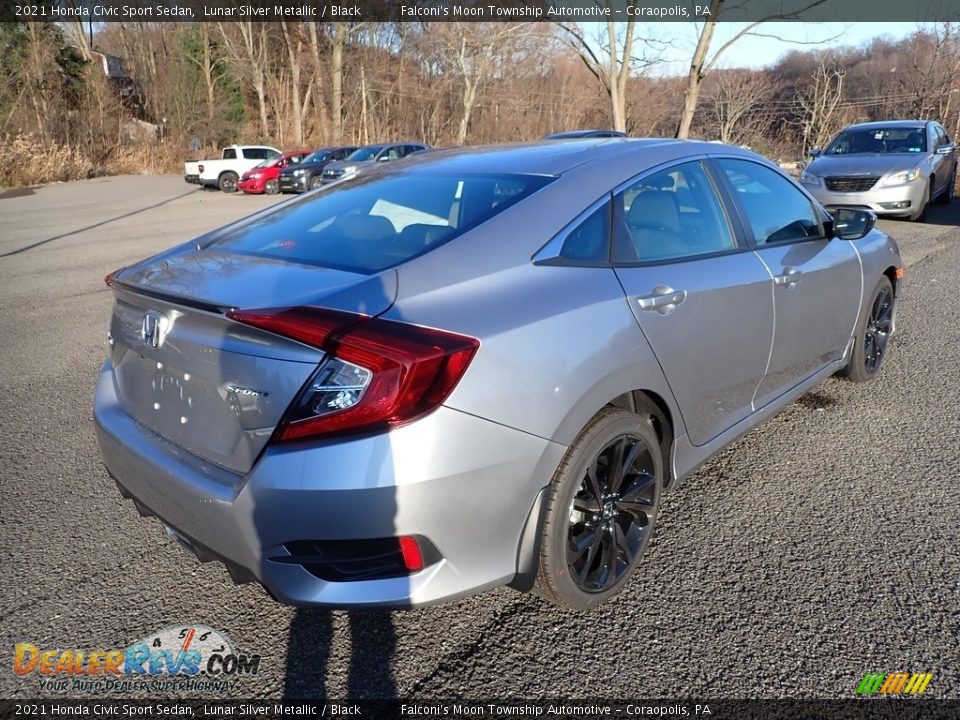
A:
(482, 369)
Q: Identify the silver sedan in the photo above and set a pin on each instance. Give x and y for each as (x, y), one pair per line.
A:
(891, 168)
(482, 368)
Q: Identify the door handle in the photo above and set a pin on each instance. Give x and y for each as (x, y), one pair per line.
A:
(790, 277)
(662, 299)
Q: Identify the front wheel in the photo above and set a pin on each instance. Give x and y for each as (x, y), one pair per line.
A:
(271, 187)
(315, 182)
(601, 510)
(873, 334)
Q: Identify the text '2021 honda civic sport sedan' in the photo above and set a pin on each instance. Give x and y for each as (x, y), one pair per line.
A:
(483, 368)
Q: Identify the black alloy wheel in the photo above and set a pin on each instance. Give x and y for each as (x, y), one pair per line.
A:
(612, 515)
(879, 325)
(601, 509)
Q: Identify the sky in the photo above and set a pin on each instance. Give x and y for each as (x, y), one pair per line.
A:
(758, 52)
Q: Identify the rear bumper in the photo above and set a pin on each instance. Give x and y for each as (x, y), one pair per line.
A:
(470, 499)
(899, 200)
(192, 179)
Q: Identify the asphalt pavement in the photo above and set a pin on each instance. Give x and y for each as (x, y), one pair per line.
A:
(822, 546)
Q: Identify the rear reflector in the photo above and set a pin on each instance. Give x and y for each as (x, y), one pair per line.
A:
(412, 559)
(377, 374)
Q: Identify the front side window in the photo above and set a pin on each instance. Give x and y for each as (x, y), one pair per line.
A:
(672, 214)
(775, 209)
(371, 223)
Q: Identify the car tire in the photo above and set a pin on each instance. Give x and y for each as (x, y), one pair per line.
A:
(271, 187)
(598, 520)
(227, 182)
(315, 182)
(873, 334)
(946, 196)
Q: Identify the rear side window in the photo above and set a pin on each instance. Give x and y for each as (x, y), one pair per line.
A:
(775, 209)
(371, 223)
(229, 154)
(258, 153)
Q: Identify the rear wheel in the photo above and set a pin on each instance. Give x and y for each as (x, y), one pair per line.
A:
(314, 182)
(601, 510)
(873, 334)
(271, 187)
(228, 182)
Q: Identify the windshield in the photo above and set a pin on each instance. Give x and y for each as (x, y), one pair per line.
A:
(367, 153)
(878, 141)
(369, 224)
(318, 156)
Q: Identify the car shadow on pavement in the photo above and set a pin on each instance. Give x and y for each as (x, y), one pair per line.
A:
(37, 244)
(373, 642)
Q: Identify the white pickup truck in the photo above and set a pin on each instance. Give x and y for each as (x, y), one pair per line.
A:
(224, 173)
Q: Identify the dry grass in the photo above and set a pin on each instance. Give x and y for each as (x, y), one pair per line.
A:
(28, 160)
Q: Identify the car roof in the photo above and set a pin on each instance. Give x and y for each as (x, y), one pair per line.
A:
(888, 124)
(545, 157)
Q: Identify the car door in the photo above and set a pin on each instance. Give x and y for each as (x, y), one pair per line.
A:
(944, 157)
(701, 297)
(817, 280)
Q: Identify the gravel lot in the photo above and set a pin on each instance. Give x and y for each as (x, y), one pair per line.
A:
(822, 546)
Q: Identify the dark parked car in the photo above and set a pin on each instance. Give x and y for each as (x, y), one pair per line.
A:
(584, 134)
(370, 155)
(306, 175)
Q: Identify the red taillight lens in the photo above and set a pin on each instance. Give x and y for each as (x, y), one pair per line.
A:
(377, 374)
(200, 168)
(108, 278)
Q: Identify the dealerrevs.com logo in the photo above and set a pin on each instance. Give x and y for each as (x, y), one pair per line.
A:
(188, 658)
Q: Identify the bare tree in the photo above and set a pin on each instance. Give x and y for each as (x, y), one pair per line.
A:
(821, 103)
(248, 52)
(735, 103)
(703, 62)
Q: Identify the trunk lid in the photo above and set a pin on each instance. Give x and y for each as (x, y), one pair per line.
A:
(205, 383)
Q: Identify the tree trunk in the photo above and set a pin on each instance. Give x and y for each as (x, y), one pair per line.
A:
(336, 83)
(695, 76)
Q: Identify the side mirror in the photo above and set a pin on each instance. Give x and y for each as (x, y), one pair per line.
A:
(815, 152)
(850, 224)
(946, 149)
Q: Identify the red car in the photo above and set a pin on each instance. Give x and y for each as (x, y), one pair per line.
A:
(265, 177)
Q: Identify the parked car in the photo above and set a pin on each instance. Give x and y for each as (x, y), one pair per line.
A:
(369, 156)
(895, 167)
(225, 173)
(584, 134)
(479, 369)
(265, 177)
(306, 175)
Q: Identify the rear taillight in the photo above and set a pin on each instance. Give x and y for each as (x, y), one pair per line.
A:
(377, 373)
(108, 278)
(200, 168)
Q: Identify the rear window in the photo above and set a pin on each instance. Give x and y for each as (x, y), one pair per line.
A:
(371, 223)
